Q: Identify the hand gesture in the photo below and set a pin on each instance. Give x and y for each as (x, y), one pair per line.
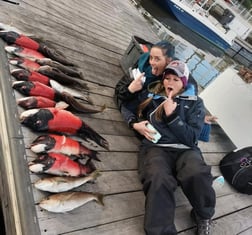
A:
(136, 84)
(169, 104)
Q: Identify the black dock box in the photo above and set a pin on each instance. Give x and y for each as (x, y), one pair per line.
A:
(136, 47)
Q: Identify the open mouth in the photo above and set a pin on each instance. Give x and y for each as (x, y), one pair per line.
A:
(154, 70)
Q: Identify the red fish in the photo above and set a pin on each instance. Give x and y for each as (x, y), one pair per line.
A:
(33, 76)
(29, 88)
(32, 102)
(64, 69)
(61, 144)
(25, 64)
(44, 74)
(60, 121)
(12, 37)
(61, 165)
(24, 52)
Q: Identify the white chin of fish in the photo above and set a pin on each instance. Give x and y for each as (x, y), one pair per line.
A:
(28, 113)
(36, 168)
(38, 148)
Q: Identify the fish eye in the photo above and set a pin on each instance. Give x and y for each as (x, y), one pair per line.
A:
(38, 123)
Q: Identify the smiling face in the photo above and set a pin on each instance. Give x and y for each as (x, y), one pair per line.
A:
(158, 61)
(172, 83)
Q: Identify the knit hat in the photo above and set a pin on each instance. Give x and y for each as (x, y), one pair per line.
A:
(180, 69)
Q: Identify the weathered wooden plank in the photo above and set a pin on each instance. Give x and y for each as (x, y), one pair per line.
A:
(232, 224)
(239, 202)
(117, 207)
(123, 227)
(218, 141)
(182, 218)
(248, 231)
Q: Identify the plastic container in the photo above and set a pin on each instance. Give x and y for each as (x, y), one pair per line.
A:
(136, 47)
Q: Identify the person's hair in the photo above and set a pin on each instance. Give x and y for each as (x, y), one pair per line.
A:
(167, 48)
(159, 88)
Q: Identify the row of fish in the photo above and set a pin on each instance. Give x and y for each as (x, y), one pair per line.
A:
(42, 75)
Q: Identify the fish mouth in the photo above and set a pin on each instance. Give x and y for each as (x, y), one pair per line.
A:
(24, 115)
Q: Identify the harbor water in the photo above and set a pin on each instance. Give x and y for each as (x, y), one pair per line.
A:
(204, 59)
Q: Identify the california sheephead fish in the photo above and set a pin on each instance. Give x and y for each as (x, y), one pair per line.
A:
(32, 102)
(34, 88)
(67, 201)
(11, 37)
(33, 76)
(60, 121)
(29, 88)
(24, 52)
(24, 63)
(65, 69)
(57, 184)
(44, 74)
(61, 144)
(60, 165)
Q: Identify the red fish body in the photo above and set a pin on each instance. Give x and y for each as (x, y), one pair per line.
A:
(60, 164)
(29, 88)
(33, 76)
(25, 64)
(61, 144)
(24, 52)
(12, 37)
(60, 121)
(32, 102)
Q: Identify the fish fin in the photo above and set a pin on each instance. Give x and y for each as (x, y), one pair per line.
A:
(100, 199)
(94, 156)
(60, 88)
(95, 174)
(54, 55)
(91, 165)
(61, 105)
(103, 107)
(77, 106)
(86, 132)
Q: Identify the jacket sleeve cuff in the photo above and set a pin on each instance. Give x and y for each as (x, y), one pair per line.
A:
(132, 122)
(171, 117)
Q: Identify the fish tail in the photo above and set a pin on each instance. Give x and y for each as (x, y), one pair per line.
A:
(87, 132)
(54, 55)
(77, 106)
(95, 174)
(99, 198)
(93, 154)
(90, 166)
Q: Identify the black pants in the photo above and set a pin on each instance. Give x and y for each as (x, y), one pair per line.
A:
(161, 170)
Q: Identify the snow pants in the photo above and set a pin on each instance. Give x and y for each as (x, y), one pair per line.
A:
(161, 170)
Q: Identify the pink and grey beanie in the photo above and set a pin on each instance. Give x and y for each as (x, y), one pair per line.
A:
(180, 69)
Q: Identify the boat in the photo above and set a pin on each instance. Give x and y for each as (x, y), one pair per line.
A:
(211, 19)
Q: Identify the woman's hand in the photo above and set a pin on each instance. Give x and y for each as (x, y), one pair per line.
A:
(169, 104)
(141, 128)
(136, 84)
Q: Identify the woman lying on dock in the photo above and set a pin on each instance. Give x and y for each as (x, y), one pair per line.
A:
(169, 155)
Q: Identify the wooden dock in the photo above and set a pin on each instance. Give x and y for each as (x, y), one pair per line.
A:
(94, 35)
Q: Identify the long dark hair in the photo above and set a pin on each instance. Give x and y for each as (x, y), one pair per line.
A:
(157, 89)
(167, 48)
